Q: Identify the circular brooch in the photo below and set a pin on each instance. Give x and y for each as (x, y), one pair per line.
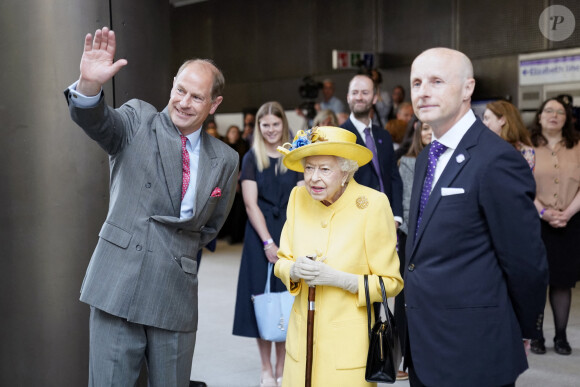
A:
(362, 202)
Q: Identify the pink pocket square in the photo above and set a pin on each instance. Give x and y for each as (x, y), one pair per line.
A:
(216, 193)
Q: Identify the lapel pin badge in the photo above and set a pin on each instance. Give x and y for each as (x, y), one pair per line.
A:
(460, 158)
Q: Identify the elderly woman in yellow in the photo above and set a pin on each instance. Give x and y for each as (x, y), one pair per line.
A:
(350, 230)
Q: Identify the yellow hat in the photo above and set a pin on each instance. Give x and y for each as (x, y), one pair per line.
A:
(323, 141)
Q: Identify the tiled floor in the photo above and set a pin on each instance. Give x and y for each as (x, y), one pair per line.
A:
(224, 360)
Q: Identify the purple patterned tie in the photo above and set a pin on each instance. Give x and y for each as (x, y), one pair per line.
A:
(435, 151)
(371, 145)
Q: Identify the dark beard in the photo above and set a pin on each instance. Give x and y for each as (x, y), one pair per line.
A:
(362, 115)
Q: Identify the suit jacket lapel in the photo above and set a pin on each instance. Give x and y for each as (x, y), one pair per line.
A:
(170, 152)
(352, 128)
(418, 179)
(449, 173)
(452, 169)
(378, 137)
(359, 140)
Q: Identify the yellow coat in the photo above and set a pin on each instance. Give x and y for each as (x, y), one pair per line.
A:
(356, 234)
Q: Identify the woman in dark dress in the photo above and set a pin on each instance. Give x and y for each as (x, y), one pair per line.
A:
(266, 186)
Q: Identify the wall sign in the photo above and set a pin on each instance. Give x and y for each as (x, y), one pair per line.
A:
(541, 71)
(352, 59)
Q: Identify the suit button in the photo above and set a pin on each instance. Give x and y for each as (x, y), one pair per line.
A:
(139, 248)
(324, 224)
(411, 267)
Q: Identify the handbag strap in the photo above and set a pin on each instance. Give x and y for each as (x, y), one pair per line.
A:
(384, 301)
(366, 281)
(270, 267)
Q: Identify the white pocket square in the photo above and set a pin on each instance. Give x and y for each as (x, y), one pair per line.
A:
(448, 191)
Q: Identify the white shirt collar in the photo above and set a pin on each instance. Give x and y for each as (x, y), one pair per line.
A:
(193, 139)
(454, 135)
(360, 126)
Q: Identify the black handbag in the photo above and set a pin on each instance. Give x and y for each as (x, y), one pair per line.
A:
(384, 355)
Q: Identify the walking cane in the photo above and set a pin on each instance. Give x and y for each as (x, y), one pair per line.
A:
(310, 332)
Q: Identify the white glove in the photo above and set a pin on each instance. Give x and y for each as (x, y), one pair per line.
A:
(303, 268)
(332, 277)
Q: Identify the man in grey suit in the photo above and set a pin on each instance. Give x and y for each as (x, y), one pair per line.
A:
(172, 187)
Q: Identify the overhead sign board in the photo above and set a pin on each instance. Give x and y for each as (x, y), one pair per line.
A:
(541, 71)
(342, 59)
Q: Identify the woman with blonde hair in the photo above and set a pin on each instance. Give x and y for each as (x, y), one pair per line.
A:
(504, 119)
(266, 186)
(325, 117)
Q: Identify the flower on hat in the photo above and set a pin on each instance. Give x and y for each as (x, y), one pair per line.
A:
(305, 138)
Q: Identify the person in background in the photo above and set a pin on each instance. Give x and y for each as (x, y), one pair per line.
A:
(233, 136)
(504, 119)
(557, 174)
(397, 98)
(329, 100)
(266, 186)
(381, 173)
(412, 126)
(382, 107)
(350, 231)
(396, 129)
(421, 139)
(141, 282)
(405, 112)
(249, 119)
(325, 118)
(211, 129)
(233, 229)
(476, 270)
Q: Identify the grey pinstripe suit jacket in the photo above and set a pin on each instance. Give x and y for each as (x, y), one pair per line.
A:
(144, 265)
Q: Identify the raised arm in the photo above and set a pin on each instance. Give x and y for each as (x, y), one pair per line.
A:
(97, 66)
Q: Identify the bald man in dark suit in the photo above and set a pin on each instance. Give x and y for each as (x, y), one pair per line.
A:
(476, 270)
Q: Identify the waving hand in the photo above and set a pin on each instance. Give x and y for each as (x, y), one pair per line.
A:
(97, 66)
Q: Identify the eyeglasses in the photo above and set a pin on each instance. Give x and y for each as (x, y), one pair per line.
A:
(323, 171)
(552, 111)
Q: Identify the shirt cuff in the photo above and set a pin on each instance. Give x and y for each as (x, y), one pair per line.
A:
(81, 100)
(398, 219)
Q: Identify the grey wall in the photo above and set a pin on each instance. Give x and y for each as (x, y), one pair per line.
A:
(266, 47)
(53, 179)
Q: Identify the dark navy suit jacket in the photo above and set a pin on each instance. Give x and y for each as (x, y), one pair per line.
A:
(476, 275)
(366, 175)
